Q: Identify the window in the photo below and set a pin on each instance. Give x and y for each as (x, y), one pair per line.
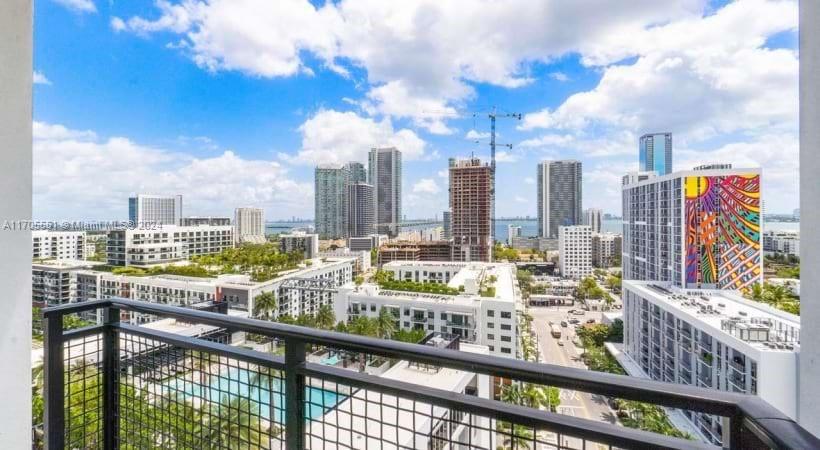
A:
(406, 324)
(492, 349)
(506, 315)
(491, 313)
(431, 327)
(431, 315)
(443, 316)
(506, 326)
(406, 312)
(506, 339)
(372, 307)
(490, 337)
(505, 350)
(490, 325)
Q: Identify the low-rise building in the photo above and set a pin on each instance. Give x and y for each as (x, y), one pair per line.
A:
(786, 243)
(575, 251)
(477, 314)
(540, 244)
(214, 221)
(166, 244)
(46, 244)
(298, 241)
(367, 243)
(711, 339)
(54, 282)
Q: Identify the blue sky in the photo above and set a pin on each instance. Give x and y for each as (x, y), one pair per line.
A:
(233, 103)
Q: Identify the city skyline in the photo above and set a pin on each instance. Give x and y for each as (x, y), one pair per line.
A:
(327, 98)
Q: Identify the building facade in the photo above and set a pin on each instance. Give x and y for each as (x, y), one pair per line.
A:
(414, 251)
(304, 242)
(384, 173)
(249, 225)
(145, 210)
(592, 217)
(695, 229)
(147, 247)
(471, 202)
(360, 215)
(575, 251)
(655, 153)
(366, 243)
(559, 196)
(358, 174)
(210, 220)
(513, 231)
(58, 244)
(711, 339)
(447, 225)
(331, 201)
(786, 243)
(606, 250)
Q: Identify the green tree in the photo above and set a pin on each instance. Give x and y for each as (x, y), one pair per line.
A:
(264, 306)
(594, 335)
(325, 317)
(385, 323)
(233, 422)
(413, 336)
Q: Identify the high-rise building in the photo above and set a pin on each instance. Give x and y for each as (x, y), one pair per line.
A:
(559, 196)
(575, 251)
(146, 209)
(694, 229)
(384, 165)
(446, 218)
(606, 250)
(471, 200)
(249, 225)
(358, 174)
(360, 216)
(592, 217)
(513, 231)
(331, 201)
(655, 153)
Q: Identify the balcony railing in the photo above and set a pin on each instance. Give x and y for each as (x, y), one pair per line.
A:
(117, 385)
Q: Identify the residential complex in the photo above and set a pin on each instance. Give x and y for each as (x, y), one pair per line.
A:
(208, 220)
(385, 172)
(606, 250)
(357, 172)
(712, 339)
(360, 215)
(298, 241)
(655, 153)
(145, 210)
(786, 243)
(58, 244)
(513, 232)
(575, 251)
(330, 199)
(476, 316)
(592, 217)
(694, 229)
(148, 247)
(559, 196)
(54, 283)
(366, 243)
(471, 201)
(249, 225)
(535, 243)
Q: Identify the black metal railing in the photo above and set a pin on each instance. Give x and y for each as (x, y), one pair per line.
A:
(117, 385)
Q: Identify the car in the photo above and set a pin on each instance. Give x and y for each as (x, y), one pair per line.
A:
(574, 321)
(561, 343)
(578, 312)
(564, 323)
(591, 321)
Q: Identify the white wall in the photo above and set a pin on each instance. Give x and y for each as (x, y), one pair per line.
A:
(808, 386)
(15, 188)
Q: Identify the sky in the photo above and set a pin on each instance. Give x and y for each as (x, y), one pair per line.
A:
(234, 102)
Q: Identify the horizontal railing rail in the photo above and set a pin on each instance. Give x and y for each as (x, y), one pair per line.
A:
(754, 423)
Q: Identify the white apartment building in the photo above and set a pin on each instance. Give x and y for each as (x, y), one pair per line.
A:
(249, 225)
(358, 244)
(714, 339)
(166, 244)
(146, 210)
(513, 231)
(782, 243)
(592, 217)
(606, 249)
(575, 251)
(476, 319)
(299, 241)
(54, 282)
(47, 244)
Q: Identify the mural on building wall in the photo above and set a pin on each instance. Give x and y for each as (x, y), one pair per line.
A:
(723, 231)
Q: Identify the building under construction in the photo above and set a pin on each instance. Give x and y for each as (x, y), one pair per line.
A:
(414, 251)
(471, 207)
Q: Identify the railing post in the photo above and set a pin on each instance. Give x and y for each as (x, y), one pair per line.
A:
(111, 354)
(53, 382)
(294, 394)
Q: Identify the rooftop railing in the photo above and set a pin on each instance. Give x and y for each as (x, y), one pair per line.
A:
(118, 385)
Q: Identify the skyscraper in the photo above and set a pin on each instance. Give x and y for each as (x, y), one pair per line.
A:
(697, 229)
(559, 196)
(249, 225)
(358, 174)
(592, 217)
(655, 153)
(471, 200)
(360, 218)
(157, 209)
(331, 201)
(384, 166)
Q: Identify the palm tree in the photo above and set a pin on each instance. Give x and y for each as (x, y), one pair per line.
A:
(264, 305)
(533, 396)
(325, 317)
(234, 420)
(511, 393)
(517, 436)
(385, 324)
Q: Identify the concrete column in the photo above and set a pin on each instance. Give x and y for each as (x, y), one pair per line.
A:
(809, 369)
(15, 205)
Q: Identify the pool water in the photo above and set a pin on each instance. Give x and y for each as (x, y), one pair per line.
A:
(260, 389)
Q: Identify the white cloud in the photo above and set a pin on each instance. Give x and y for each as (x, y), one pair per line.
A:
(117, 24)
(548, 140)
(421, 58)
(80, 6)
(520, 199)
(426, 186)
(505, 156)
(75, 172)
(444, 173)
(40, 78)
(475, 135)
(337, 137)
(559, 76)
(529, 180)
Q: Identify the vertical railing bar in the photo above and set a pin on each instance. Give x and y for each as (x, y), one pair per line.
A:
(53, 383)
(294, 394)
(111, 354)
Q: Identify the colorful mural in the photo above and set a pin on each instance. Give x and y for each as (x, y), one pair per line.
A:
(723, 231)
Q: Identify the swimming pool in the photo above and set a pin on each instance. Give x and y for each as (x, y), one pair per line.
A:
(261, 390)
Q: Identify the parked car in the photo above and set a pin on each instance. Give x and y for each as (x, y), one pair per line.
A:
(561, 343)
(574, 321)
(578, 312)
(564, 323)
(591, 321)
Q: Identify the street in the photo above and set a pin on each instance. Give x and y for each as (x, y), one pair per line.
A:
(574, 403)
